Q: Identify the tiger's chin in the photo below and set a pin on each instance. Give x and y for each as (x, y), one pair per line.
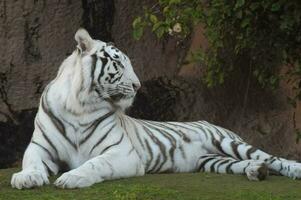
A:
(124, 103)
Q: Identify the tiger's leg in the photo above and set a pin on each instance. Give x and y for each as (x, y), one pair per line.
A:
(110, 165)
(39, 157)
(255, 170)
(243, 151)
(36, 162)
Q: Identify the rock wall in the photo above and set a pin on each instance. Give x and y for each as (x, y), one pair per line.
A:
(36, 35)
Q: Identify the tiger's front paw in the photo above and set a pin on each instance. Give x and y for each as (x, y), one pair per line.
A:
(73, 180)
(29, 179)
(293, 170)
(257, 171)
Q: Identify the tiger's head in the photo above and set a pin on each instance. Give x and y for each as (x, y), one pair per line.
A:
(103, 72)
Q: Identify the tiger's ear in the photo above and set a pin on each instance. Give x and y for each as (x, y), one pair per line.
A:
(84, 40)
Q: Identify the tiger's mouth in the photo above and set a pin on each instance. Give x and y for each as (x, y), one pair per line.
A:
(117, 97)
(121, 96)
(124, 92)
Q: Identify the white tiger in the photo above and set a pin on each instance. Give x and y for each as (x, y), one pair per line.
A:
(81, 127)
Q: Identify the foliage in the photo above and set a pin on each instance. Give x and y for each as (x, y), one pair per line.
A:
(185, 186)
(260, 37)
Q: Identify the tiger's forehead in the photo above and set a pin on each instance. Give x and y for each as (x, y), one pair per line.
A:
(109, 50)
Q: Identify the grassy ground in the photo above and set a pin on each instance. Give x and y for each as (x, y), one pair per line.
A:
(165, 186)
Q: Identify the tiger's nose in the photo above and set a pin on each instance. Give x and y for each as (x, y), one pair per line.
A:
(136, 86)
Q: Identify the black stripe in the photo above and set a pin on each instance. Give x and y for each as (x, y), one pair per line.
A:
(149, 149)
(115, 64)
(104, 62)
(157, 142)
(273, 159)
(112, 76)
(222, 163)
(108, 147)
(138, 135)
(132, 149)
(202, 165)
(178, 132)
(102, 138)
(184, 127)
(46, 166)
(182, 152)
(164, 133)
(234, 147)
(208, 126)
(197, 126)
(58, 124)
(213, 164)
(244, 170)
(185, 137)
(47, 138)
(250, 151)
(107, 55)
(209, 155)
(70, 124)
(46, 150)
(228, 168)
(98, 92)
(169, 137)
(219, 130)
(116, 79)
(159, 126)
(217, 144)
(168, 170)
(156, 164)
(94, 125)
(55, 121)
(93, 67)
(230, 133)
(122, 123)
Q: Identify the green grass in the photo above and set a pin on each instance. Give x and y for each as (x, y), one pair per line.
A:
(165, 186)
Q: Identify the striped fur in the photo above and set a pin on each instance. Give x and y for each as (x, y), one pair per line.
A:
(81, 127)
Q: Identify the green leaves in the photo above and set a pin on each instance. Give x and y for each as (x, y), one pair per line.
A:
(153, 19)
(138, 28)
(258, 37)
(276, 6)
(174, 2)
(245, 22)
(261, 35)
(239, 3)
(159, 29)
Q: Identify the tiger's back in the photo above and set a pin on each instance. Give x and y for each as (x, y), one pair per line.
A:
(173, 146)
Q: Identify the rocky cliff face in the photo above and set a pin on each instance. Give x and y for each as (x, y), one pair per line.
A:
(36, 35)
